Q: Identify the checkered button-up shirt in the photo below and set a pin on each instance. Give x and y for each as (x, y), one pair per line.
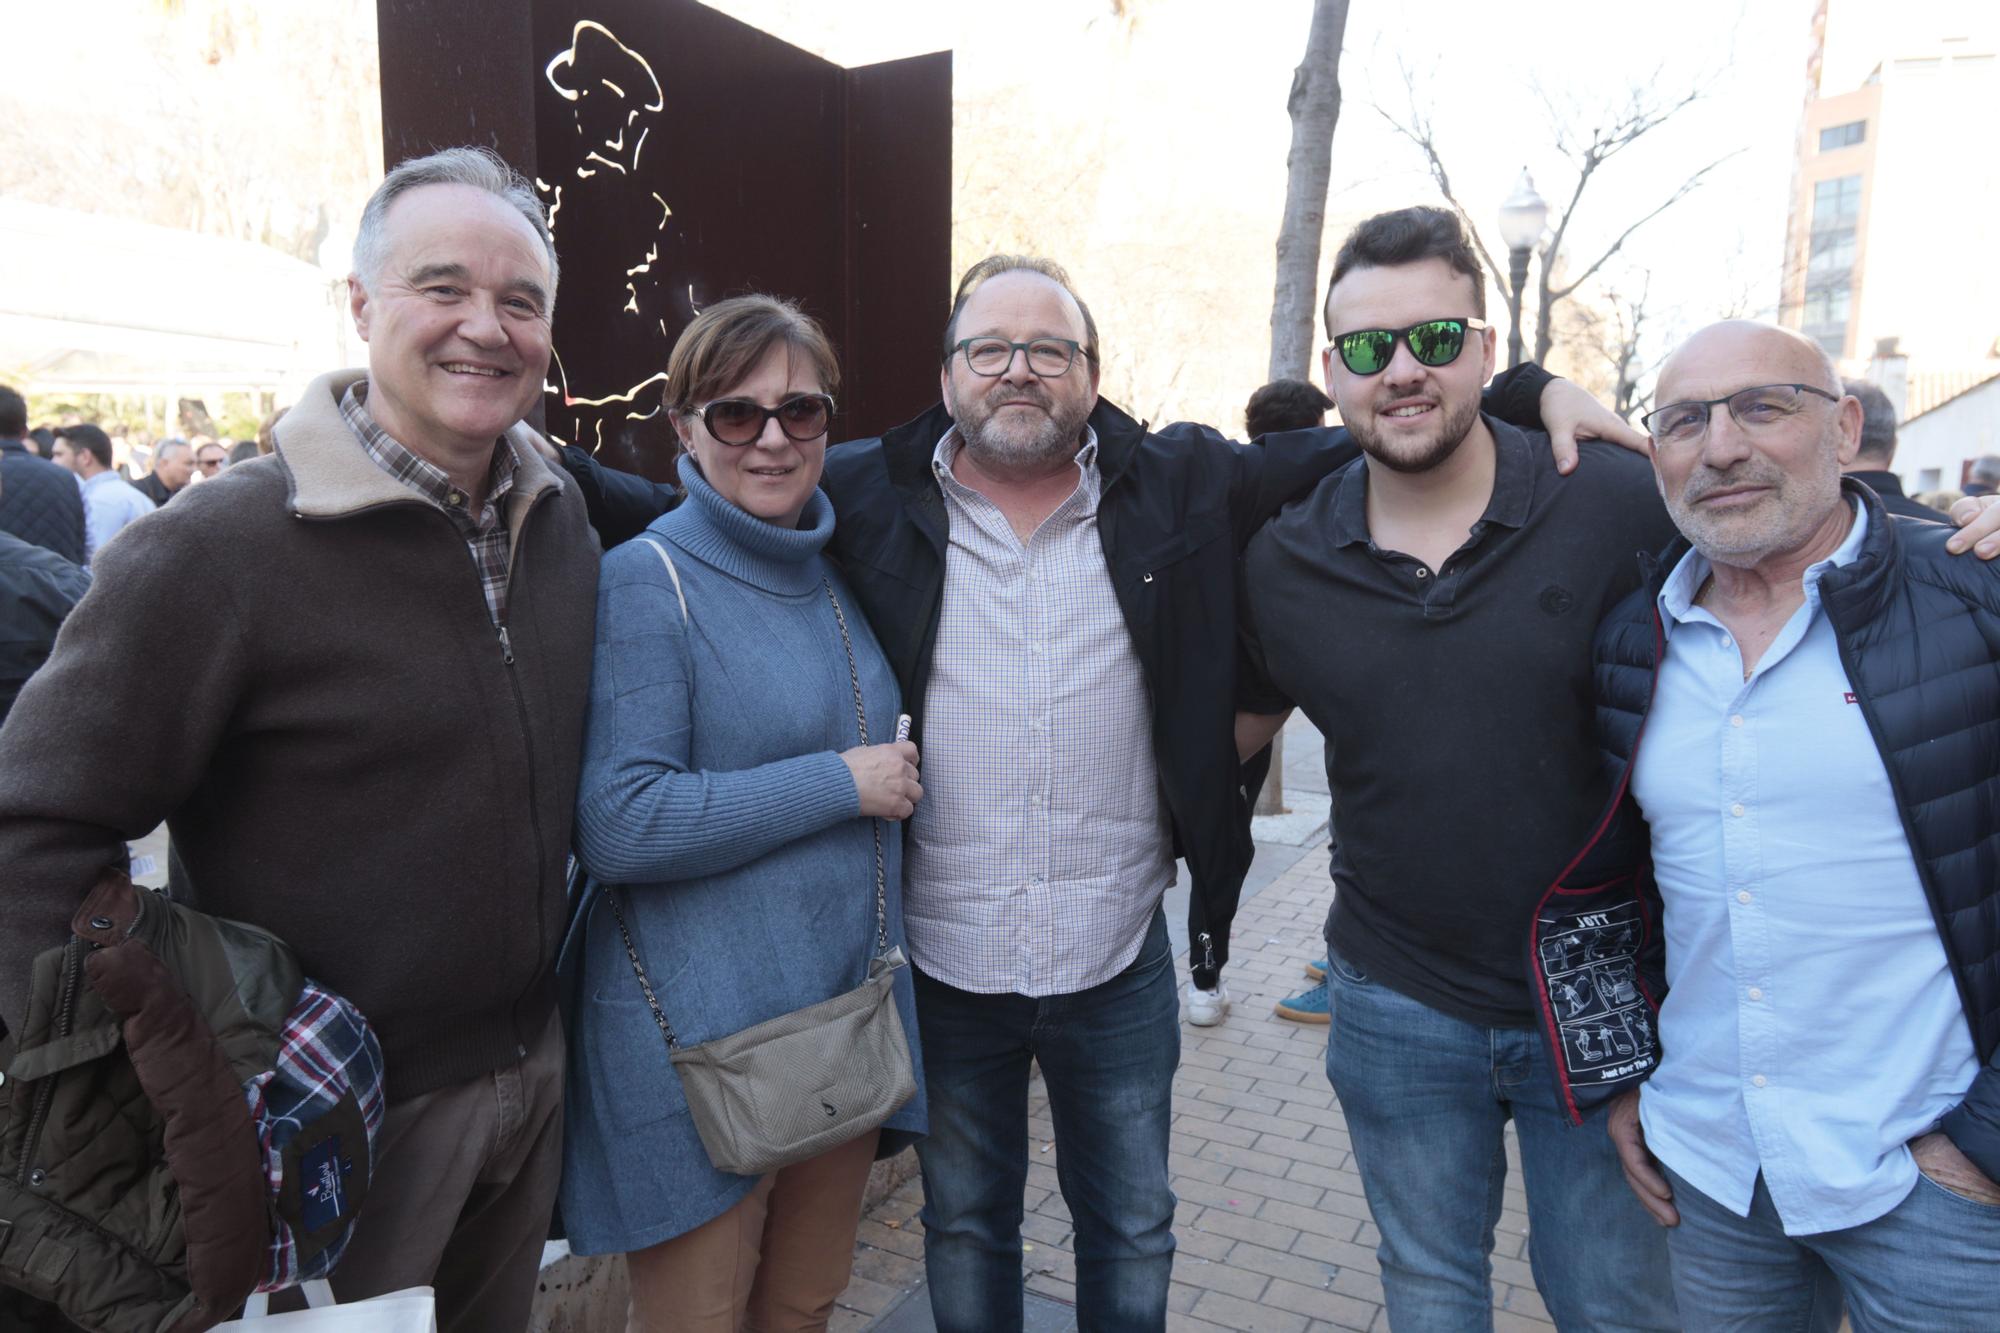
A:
(485, 532)
(1041, 847)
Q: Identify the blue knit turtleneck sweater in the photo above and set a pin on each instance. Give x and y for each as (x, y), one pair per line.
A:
(712, 790)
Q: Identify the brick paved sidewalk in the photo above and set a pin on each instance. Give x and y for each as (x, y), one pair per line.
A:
(1273, 1232)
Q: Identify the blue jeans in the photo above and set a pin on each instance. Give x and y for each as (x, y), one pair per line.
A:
(1928, 1265)
(1426, 1099)
(1107, 1055)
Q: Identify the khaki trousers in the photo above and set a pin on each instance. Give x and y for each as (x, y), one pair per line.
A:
(465, 1180)
(774, 1263)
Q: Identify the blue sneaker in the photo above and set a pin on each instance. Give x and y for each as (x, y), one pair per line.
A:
(1306, 1007)
(1316, 969)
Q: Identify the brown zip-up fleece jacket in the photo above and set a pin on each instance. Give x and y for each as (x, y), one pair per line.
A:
(294, 666)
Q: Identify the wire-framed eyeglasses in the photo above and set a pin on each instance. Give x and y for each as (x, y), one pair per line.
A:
(1758, 407)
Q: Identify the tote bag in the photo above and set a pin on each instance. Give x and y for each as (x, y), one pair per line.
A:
(410, 1311)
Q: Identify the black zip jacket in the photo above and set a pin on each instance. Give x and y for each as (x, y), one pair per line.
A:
(37, 590)
(1177, 508)
(1888, 488)
(1919, 636)
(40, 502)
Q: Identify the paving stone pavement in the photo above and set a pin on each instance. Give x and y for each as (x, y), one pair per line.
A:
(1273, 1233)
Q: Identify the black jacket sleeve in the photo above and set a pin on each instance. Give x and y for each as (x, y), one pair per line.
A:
(620, 504)
(1515, 396)
(38, 588)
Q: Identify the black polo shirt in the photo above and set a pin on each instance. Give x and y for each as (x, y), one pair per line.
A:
(1456, 703)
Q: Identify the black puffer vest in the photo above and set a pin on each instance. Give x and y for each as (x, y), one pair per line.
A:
(1919, 636)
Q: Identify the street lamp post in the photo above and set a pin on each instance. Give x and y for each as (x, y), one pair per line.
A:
(1522, 218)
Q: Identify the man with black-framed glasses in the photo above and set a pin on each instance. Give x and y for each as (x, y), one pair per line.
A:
(1431, 607)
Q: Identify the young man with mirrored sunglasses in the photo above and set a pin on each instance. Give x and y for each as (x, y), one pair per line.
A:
(1431, 607)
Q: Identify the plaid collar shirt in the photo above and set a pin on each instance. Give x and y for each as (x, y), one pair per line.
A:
(1041, 849)
(485, 532)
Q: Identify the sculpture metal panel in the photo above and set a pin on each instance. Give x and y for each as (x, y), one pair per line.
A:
(686, 157)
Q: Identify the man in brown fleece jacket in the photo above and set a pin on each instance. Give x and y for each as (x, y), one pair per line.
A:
(383, 632)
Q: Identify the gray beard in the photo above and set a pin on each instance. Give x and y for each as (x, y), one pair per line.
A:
(1055, 440)
(1741, 545)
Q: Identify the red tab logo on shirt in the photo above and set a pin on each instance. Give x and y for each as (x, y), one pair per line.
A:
(1849, 696)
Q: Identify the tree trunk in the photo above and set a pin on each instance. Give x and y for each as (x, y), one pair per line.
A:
(1545, 333)
(1315, 108)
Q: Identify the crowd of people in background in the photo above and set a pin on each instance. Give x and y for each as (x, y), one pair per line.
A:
(161, 466)
(66, 489)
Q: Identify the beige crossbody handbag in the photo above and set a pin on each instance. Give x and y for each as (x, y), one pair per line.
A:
(794, 1086)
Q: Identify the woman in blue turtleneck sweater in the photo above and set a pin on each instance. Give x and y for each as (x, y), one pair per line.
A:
(725, 789)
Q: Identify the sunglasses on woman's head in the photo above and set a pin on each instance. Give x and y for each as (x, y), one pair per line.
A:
(1435, 342)
(739, 421)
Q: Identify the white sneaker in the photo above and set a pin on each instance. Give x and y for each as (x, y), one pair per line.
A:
(1207, 1007)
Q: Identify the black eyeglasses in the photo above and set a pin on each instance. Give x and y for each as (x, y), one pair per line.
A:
(1050, 358)
(1435, 342)
(1755, 408)
(739, 421)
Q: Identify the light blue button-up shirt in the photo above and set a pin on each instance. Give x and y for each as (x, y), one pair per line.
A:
(109, 503)
(1811, 1027)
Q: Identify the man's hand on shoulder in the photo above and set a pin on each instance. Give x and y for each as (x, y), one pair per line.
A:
(1642, 1172)
(1948, 1168)
(1978, 519)
(1571, 415)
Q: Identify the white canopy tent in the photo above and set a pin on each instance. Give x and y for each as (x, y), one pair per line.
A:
(98, 304)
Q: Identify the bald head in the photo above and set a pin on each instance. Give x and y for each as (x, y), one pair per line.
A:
(1755, 483)
(1737, 353)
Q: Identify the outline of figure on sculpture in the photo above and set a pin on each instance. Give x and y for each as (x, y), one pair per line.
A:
(614, 124)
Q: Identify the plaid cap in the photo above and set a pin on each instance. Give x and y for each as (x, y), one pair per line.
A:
(326, 1051)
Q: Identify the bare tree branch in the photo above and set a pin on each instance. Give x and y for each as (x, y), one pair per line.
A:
(1587, 138)
(1642, 113)
(1418, 131)
(1687, 187)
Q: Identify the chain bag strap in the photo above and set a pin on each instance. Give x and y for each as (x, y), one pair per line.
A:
(861, 721)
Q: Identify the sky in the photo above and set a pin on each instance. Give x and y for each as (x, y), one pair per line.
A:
(1484, 74)
(1175, 112)
(1198, 89)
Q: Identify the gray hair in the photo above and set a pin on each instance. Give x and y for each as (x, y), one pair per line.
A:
(168, 448)
(1878, 419)
(1987, 469)
(480, 168)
